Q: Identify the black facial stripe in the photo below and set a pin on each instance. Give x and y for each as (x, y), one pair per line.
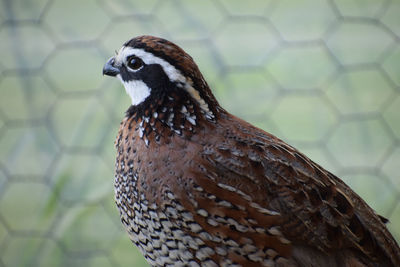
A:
(152, 75)
(156, 79)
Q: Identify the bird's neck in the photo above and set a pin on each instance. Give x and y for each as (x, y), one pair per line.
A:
(169, 113)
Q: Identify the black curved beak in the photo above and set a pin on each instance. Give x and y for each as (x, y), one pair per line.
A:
(109, 68)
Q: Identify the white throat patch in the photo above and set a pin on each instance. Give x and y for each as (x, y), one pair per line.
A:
(138, 91)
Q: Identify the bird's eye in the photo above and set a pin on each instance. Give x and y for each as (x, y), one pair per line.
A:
(134, 62)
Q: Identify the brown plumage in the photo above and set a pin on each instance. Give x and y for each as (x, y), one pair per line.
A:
(198, 186)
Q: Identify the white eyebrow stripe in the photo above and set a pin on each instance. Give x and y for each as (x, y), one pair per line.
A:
(173, 74)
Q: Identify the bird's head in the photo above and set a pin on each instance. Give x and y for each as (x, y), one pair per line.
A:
(156, 73)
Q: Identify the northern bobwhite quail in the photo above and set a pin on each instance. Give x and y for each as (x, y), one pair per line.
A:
(197, 186)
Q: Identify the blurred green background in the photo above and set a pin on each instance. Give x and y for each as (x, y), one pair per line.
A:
(322, 75)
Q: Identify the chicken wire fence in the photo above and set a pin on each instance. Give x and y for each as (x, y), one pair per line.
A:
(322, 75)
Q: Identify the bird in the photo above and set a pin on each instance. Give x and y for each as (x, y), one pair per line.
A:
(198, 186)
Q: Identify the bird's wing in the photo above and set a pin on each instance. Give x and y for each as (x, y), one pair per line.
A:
(315, 207)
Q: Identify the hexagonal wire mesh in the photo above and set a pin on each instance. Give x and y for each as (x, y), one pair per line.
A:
(323, 75)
